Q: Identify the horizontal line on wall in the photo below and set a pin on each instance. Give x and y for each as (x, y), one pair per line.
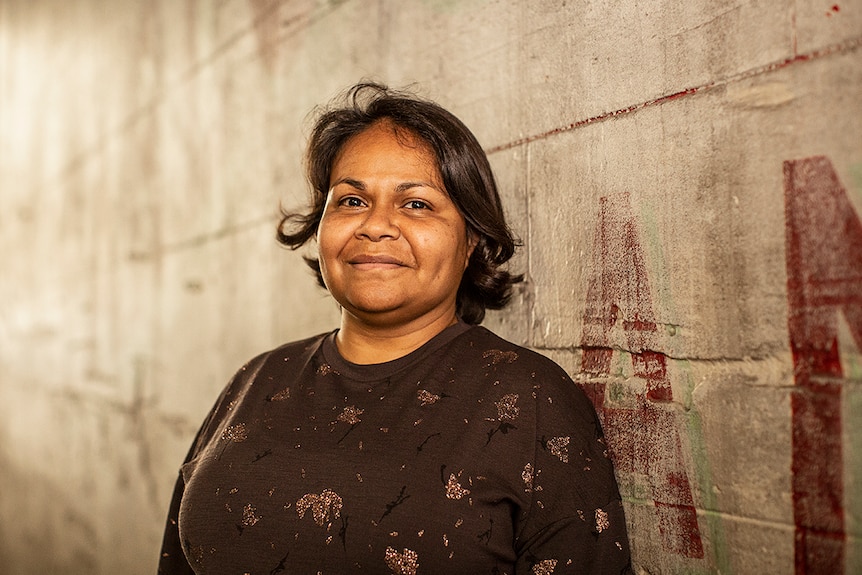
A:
(840, 48)
(203, 239)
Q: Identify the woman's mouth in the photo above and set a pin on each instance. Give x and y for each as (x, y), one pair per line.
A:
(375, 261)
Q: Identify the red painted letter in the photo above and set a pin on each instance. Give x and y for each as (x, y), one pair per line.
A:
(643, 438)
(824, 277)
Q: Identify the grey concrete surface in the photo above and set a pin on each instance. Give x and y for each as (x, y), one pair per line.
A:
(642, 149)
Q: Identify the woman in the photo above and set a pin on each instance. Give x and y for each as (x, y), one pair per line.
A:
(409, 440)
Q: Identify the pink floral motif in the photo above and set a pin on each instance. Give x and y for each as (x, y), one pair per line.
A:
(545, 567)
(602, 521)
(559, 447)
(248, 515)
(404, 563)
(527, 476)
(427, 398)
(454, 489)
(350, 415)
(498, 356)
(507, 410)
(324, 507)
(235, 433)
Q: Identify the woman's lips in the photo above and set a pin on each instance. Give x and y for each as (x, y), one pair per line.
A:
(370, 261)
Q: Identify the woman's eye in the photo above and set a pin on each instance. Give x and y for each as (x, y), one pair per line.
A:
(417, 205)
(351, 202)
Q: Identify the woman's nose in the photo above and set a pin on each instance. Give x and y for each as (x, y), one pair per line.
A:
(379, 223)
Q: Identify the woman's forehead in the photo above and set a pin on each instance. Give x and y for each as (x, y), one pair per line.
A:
(384, 147)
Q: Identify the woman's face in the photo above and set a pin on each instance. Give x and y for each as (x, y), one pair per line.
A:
(393, 246)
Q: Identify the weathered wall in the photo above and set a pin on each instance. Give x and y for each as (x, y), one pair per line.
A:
(686, 176)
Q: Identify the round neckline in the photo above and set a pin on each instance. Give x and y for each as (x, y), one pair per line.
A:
(380, 371)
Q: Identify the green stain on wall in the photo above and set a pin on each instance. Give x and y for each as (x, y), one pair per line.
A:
(683, 381)
(851, 365)
(852, 415)
(703, 469)
(856, 179)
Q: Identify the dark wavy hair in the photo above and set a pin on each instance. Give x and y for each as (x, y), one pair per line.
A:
(465, 172)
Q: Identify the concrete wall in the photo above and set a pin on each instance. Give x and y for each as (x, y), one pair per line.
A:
(686, 176)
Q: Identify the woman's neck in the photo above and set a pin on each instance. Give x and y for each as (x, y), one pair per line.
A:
(363, 343)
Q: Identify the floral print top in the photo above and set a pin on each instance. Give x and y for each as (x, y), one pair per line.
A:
(469, 455)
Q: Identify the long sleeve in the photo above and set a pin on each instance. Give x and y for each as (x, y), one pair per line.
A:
(575, 523)
(172, 560)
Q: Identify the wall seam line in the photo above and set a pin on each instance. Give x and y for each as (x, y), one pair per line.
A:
(839, 48)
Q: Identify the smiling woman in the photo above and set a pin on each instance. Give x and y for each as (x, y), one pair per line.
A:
(393, 246)
(463, 170)
(410, 440)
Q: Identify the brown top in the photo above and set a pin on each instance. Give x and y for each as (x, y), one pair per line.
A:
(469, 455)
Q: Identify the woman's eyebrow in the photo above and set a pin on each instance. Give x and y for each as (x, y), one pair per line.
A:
(350, 182)
(400, 188)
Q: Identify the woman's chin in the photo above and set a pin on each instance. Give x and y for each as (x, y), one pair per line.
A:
(382, 312)
(374, 308)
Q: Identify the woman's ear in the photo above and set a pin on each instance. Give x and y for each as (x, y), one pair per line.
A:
(472, 242)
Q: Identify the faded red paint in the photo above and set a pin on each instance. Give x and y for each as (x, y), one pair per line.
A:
(824, 278)
(644, 439)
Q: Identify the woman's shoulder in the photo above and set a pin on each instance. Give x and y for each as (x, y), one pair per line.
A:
(496, 351)
(298, 348)
(244, 385)
(287, 355)
(521, 370)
